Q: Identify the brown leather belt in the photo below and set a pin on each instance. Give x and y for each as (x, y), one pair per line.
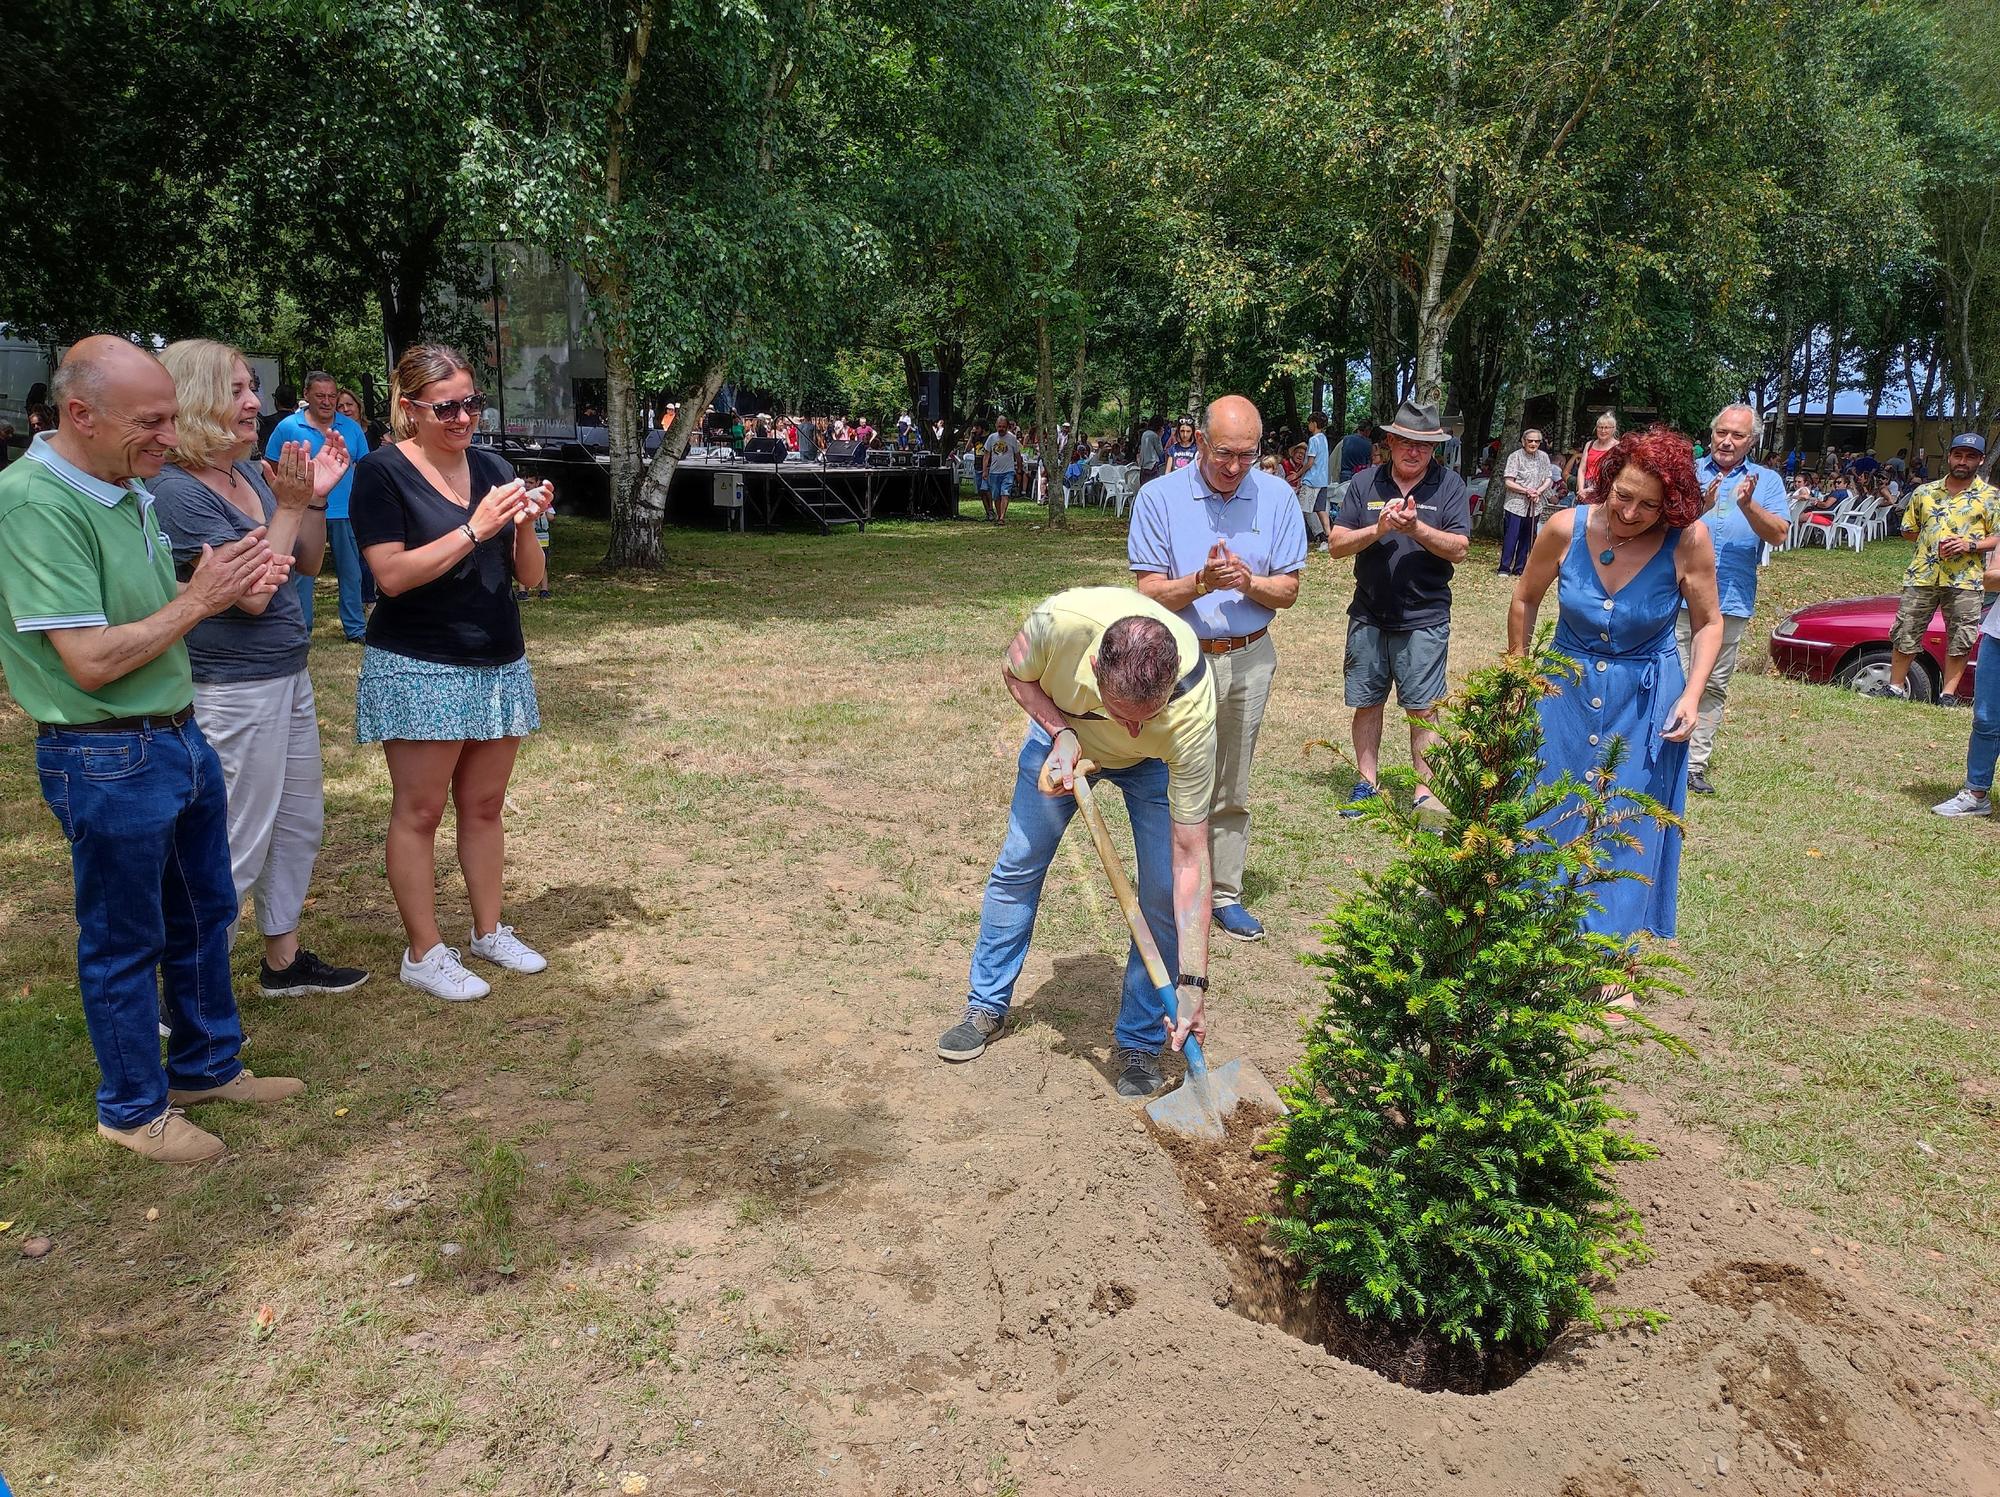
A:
(119, 724)
(1234, 642)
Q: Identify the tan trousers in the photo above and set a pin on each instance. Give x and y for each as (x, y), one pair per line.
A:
(1242, 687)
(1715, 695)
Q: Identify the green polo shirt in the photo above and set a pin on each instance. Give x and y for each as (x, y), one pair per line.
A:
(76, 551)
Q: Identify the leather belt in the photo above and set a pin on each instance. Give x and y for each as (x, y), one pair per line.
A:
(119, 724)
(1233, 642)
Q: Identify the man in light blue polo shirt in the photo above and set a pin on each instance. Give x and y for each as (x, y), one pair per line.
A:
(1313, 482)
(313, 425)
(1223, 546)
(1746, 510)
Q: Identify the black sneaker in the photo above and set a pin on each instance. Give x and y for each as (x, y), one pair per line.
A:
(1698, 782)
(1951, 699)
(1884, 689)
(308, 974)
(966, 1040)
(1141, 1076)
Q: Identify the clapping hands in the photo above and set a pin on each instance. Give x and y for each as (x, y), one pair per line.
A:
(243, 569)
(515, 502)
(1397, 514)
(298, 477)
(1224, 568)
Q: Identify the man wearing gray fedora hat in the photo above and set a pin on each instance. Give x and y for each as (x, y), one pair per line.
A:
(1407, 524)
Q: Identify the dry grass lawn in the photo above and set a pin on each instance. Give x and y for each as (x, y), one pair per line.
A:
(684, 1206)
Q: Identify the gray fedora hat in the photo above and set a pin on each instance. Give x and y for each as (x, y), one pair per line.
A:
(1417, 421)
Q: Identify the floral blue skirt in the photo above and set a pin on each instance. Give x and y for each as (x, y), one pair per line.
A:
(402, 697)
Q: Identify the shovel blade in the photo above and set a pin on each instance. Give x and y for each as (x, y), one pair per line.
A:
(1198, 1107)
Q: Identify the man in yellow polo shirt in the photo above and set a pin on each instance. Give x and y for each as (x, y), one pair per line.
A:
(1107, 675)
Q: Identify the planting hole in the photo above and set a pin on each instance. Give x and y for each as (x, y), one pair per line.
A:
(1229, 1183)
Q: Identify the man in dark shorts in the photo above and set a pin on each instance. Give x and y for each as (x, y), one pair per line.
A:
(1406, 523)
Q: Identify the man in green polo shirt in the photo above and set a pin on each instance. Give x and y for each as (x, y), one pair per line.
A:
(90, 642)
(1108, 675)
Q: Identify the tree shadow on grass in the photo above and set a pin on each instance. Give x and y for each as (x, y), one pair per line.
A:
(615, 1137)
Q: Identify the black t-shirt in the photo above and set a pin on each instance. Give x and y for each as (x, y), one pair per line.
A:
(465, 617)
(1397, 583)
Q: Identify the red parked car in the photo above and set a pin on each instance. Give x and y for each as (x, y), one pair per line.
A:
(1847, 642)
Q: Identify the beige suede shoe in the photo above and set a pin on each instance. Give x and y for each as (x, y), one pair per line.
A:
(244, 1088)
(169, 1139)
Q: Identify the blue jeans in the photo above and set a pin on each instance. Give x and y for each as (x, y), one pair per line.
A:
(148, 826)
(352, 574)
(1985, 745)
(1035, 825)
(304, 586)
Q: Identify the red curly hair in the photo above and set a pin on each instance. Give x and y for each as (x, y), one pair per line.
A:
(1669, 457)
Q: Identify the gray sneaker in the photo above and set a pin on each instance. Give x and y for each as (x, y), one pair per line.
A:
(1965, 803)
(1140, 1076)
(966, 1040)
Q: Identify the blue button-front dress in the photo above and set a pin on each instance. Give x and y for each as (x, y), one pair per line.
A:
(1624, 644)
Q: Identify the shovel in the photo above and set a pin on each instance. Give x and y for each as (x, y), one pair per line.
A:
(1198, 1106)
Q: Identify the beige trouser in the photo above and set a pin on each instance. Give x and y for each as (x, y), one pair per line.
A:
(1716, 692)
(1242, 687)
(266, 733)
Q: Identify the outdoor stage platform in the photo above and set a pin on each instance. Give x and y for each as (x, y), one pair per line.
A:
(744, 495)
(733, 494)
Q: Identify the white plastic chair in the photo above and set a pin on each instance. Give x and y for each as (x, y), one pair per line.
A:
(1127, 490)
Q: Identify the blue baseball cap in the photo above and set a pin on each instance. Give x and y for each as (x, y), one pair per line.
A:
(1971, 439)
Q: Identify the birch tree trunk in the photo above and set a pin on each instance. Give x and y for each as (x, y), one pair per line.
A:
(1433, 319)
(638, 523)
(1047, 447)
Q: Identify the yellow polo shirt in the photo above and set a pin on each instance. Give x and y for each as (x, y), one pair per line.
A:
(1064, 632)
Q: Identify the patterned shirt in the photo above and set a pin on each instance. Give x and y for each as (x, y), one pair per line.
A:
(1934, 514)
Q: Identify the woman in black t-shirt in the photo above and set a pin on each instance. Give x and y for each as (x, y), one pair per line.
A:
(447, 529)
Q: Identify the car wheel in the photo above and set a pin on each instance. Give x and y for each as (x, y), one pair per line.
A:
(1868, 668)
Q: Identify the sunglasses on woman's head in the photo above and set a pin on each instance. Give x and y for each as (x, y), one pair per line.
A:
(448, 410)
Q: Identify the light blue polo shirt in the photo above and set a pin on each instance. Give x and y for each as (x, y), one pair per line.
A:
(1178, 518)
(297, 427)
(1316, 456)
(1738, 548)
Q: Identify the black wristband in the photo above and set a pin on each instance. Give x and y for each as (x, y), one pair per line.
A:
(318, 509)
(1188, 977)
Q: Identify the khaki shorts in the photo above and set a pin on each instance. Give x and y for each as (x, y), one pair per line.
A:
(1961, 609)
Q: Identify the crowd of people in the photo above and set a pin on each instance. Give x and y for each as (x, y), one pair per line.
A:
(1163, 688)
(158, 541)
(151, 567)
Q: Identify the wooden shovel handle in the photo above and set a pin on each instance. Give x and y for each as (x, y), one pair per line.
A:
(1114, 869)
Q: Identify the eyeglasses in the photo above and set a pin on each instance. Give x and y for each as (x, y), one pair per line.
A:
(449, 410)
(1232, 458)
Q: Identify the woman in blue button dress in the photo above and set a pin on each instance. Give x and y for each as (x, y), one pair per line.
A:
(1624, 568)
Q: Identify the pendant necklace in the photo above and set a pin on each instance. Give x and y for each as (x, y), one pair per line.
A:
(1610, 553)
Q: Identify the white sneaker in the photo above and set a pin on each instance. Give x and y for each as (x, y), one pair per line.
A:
(1965, 803)
(505, 949)
(442, 975)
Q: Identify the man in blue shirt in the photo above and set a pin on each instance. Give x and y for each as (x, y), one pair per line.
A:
(1313, 482)
(313, 426)
(1221, 544)
(1747, 511)
(1357, 451)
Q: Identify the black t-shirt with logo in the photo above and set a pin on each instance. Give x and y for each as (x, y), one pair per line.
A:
(468, 616)
(1397, 583)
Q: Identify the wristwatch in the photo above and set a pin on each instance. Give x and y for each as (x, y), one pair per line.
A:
(1188, 979)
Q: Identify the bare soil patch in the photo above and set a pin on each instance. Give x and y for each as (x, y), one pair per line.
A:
(763, 1240)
